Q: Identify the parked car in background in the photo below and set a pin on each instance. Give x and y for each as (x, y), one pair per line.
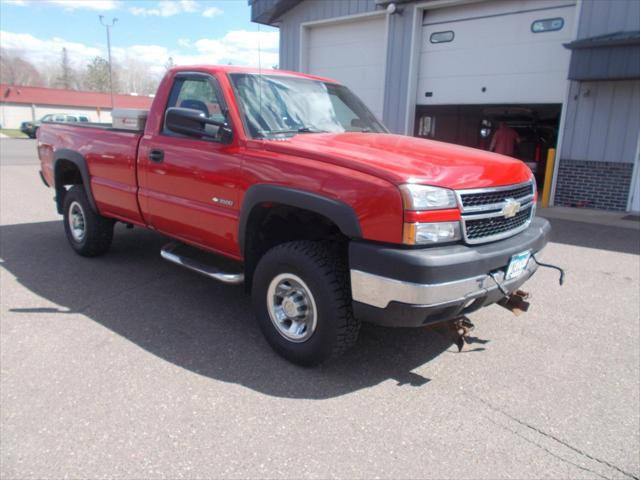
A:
(31, 128)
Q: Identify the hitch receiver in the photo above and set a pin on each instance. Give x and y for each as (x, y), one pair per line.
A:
(516, 302)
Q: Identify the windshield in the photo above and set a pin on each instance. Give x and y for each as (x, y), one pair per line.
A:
(276, 105)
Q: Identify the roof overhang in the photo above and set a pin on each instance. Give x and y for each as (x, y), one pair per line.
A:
(268, 12)
(615, 56)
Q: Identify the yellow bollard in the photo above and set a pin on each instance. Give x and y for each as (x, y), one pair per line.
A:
(548, 173)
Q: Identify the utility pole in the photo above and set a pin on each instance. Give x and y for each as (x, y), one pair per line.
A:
(108, 27)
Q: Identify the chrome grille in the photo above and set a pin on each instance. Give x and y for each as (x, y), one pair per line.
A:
(486, 227)
(489, 198)
(483, 218)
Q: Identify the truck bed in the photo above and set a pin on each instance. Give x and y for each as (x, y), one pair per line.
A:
(110, 156)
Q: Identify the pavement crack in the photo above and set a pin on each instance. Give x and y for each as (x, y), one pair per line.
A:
(558, 440)
(553, 454)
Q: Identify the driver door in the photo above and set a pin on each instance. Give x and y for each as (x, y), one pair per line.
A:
(189, 185)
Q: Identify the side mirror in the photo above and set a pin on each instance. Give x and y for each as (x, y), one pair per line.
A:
(194, 123)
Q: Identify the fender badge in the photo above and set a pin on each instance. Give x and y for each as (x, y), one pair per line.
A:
(223, 201)
(511, 208)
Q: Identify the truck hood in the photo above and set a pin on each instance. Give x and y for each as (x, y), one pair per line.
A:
(401, 159)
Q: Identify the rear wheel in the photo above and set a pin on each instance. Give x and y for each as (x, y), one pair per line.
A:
(89, 234)
(302, 300)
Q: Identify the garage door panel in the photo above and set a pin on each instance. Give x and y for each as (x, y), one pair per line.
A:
(506, 29)
(325, 57)
(353, 53)
(344, 33)
(493, 52)
(502, 61)
(360, 74)
(526, 87)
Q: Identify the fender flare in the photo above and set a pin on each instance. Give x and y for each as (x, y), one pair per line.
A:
(79, 161)
(343, 215)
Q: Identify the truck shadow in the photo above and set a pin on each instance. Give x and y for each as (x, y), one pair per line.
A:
(183, 318)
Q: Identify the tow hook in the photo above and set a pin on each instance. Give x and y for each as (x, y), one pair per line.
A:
(461, 327)
(516, 302)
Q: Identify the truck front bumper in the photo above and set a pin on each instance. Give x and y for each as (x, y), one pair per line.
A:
(405, 287)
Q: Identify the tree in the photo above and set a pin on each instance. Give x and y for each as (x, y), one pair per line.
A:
(14, 70)
(135, 76)
(97, 76)
(66, 77)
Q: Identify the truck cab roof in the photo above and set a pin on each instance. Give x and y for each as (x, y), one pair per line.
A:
(238, 69)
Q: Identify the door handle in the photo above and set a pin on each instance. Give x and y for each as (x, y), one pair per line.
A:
(156, 156)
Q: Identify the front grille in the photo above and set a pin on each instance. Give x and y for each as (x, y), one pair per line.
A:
(489, 227)
(477, 199)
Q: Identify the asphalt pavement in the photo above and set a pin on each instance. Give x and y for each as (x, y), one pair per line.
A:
(126, 366)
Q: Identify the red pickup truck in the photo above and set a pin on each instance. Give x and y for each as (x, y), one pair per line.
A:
(287, 183)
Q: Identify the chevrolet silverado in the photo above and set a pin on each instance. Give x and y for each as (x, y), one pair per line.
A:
(288, 184)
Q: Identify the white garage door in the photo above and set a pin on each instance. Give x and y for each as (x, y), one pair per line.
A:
(496, 52)
(353, 53)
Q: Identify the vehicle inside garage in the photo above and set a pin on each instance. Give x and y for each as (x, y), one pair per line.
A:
(485, 64)
(475, 125)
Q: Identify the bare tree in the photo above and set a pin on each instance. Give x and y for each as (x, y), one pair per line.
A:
(14, 70)
(134, 77)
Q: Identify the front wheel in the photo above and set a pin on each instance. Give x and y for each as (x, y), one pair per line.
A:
(89, 233)
(302, 300)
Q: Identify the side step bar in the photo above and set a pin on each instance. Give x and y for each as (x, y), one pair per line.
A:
(169, 253)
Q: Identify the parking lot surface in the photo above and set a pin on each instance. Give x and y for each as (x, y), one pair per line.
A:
(126, 366)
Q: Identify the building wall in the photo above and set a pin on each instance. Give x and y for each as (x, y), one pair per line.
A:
(599, 17)
(13, 114)
(398, 47)
(602, 124)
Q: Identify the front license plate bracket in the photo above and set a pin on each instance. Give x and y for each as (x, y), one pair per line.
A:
(517, 265)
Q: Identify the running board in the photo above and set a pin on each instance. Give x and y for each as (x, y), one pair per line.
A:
(170, 252)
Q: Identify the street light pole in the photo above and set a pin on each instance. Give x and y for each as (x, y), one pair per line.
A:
(108, 27)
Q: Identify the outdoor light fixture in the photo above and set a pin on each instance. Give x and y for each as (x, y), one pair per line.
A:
(393, 8)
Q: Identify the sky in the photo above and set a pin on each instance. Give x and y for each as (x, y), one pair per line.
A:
(189, 31)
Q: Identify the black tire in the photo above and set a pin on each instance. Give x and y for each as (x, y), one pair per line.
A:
(326, 275)
(98, 230)
(32, 135)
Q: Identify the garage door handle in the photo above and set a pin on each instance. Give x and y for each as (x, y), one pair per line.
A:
(156, 156)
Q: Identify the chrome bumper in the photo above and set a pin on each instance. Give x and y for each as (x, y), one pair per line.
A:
(378, 291)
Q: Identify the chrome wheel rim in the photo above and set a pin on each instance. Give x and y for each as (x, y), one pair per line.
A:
(292, 308)
(77, 225)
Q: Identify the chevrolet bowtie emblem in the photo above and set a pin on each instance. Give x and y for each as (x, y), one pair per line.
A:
(511, 207)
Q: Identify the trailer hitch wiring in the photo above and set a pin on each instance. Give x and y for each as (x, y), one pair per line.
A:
(500, 287)
(554, 267)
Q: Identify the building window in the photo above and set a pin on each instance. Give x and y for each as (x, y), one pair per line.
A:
(442, 37)
(547, 25)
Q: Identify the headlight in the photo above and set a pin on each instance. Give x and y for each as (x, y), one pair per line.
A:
(535, 187)
(429, 233)
(424, 197)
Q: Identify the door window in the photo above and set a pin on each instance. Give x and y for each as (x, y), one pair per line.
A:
(199, 94)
